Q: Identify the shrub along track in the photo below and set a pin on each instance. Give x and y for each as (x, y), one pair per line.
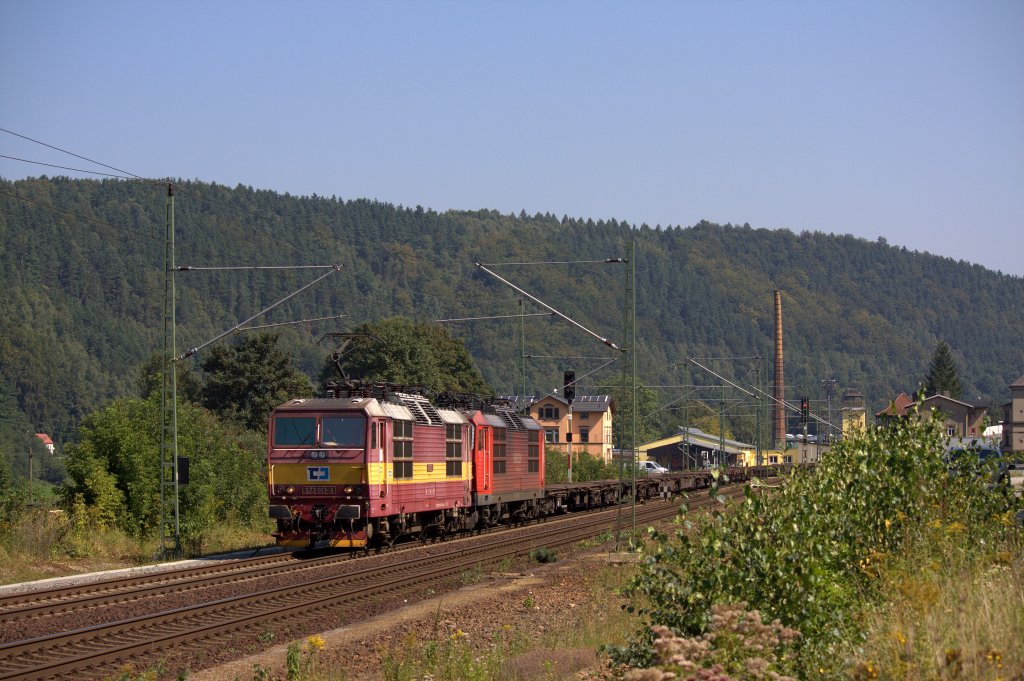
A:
(250, 598)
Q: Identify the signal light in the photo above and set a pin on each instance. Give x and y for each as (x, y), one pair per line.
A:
(805, 409)
(569, 386)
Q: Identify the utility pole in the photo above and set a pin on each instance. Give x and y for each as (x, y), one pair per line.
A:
(830, 386)
(758, 455)
(721, 428)
(629, 341)
(522, 344)
(170, 535)
(569, 393)
(805, 411)
(31, 495)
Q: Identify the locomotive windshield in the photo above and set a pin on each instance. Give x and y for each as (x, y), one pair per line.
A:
(294, 430)
(344, 431)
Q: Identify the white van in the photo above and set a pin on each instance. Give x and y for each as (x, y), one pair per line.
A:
(650, 468)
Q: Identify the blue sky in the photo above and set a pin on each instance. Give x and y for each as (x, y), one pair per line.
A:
(900, 119)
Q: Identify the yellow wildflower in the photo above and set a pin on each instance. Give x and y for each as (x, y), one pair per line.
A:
(315, 643)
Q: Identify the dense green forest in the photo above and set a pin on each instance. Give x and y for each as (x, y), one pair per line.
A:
(82, 280)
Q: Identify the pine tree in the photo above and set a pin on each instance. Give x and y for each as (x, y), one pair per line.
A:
(943, 375)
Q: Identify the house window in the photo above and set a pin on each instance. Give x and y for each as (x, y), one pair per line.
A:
(453, 451)
(548, 413)
(788, 459)
(583, 415)
(403, 449)
(951, 431)
(533, 455)
(499, 451)
(551, 435)
(584, 434)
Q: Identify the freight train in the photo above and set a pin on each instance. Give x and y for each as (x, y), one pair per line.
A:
(375, 463)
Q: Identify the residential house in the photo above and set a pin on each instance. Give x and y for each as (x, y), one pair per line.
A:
(591, 426)
(959, 419)
(47, 442)
(1013, 419)
(897, 409)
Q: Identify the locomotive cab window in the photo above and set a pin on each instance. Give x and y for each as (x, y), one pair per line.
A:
(294, 431)
(344, 431)
(453, 451)
(533, 455)
(499, 451)
(402, 449)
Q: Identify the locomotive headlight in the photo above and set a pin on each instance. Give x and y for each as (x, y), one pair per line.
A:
(318, 454)
(348, 490)
(289, 490)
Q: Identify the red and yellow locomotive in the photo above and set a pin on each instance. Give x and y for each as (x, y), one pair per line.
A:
(372, 464)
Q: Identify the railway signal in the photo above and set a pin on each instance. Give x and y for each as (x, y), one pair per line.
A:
(569, 386)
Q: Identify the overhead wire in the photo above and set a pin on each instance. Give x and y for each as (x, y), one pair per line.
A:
(77, 170)
(71, 153)
(80, 216)
(127, 175)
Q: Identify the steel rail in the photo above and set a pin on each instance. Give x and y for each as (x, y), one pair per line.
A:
(96, 650)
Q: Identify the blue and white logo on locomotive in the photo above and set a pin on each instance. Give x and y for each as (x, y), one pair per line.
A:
(318, 473)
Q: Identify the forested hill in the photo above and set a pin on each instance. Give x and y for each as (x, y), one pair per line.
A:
(80, 296)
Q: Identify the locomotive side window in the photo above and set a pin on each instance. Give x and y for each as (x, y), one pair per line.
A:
(499, 451)
(453, 451)
(533, 455)
(403, 449)
(294, 431)
(344, 431)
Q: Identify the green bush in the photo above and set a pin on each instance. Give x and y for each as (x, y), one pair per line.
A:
(543, 554)
(584, 467)
(114, 471)
(807, 554)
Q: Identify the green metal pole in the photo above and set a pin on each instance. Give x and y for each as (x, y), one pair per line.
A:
(632, 351)
(170, 535)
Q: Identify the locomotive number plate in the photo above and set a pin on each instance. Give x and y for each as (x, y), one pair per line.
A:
(322, 490)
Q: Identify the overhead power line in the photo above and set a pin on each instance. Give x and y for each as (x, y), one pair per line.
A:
(236, 327)
(81, 217)
(300, 321)
(71, 153)
(53, 165)
(540, 302)
(561, 262)
(499, 316)
(129, 176)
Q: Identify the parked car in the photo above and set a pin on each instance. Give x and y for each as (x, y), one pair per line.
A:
(976, 456)
(650, 468)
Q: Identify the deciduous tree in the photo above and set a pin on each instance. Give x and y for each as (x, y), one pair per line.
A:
(244, 382)
(399, 350)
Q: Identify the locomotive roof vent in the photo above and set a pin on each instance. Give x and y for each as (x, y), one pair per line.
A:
(422, 410)
(510, 417)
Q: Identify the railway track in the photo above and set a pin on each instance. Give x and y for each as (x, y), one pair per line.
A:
(100, 650)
